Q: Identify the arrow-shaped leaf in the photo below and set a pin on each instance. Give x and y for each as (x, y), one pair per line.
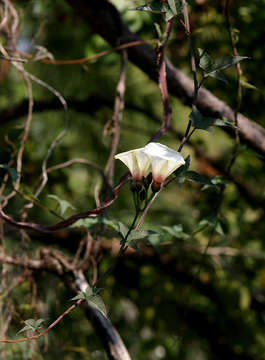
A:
(64, 205)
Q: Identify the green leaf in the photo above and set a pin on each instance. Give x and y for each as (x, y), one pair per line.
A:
(226, 62)
(64, 205)
(200, 179)
(212, 222)
(97, 301)
(247, 85)
(123, 230)
(176, 231)
(180, 172)
(39, 321)
(89, 292)
(172, 6)
(183, 168)
(80, 295)
(205, 61)
(138, 234)
(199, 121)
(12, 172)
(219, 229)
(31, 324)
(155, 241)
(212, 67)
(87, 295)
(91, 296)
(218, 75)
(169, 14)
(159, 7)
(156, 6)
(217, 181)
(161, 36)
(204, 123)
(223, 122)
(96, 290)
(132, 244)
(86, 223)
(25, 328)
(113, 224)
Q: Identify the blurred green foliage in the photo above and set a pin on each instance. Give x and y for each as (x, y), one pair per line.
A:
(177, 303)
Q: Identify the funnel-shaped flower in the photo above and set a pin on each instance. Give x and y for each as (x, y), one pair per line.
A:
(164, 161)
(137, 162)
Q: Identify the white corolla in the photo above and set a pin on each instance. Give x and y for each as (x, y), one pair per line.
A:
(137, 162)
(163, 160)
(154, 157)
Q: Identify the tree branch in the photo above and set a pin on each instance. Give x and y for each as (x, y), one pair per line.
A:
(75, 280)
(104, 19)
(69, 221)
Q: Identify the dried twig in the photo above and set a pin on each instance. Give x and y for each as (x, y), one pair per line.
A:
(239, 88)
(189, 133)
(162, 80)
(117, 117)
(26, 129)
(96, 56)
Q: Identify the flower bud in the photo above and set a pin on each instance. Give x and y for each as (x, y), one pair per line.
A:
(136, 186)
(147, 180)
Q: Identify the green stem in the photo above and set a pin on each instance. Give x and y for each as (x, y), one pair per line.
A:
(122, 250)
(131, 227)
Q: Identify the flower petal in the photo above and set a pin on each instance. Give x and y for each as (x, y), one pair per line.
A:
(164, 161)
(137, 162)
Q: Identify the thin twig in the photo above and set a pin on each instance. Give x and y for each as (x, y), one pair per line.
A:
(162, 80)
(34, 337)
(96, 56)
(187, 135)
(140, 222)
(122, 250)
(117, 117)
(26, 130)
(10, 58)
(80, 161)
(58, 137)
(72, 219)
(239, 88)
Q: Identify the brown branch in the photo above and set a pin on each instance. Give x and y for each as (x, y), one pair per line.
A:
(93, 57)
(104, 19)
(162, 81)
(117, 117)
(35, 337)
(109, 336)
(210, 166)
(26, 130)
(72, 219)
(75, 281)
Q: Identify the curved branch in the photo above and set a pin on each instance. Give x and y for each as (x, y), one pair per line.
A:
(92, 103)
(104, 19)
(75, 281)
(69, 221)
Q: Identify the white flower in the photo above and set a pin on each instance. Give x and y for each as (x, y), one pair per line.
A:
(137, 162)
(154, 157)
(164, 161)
